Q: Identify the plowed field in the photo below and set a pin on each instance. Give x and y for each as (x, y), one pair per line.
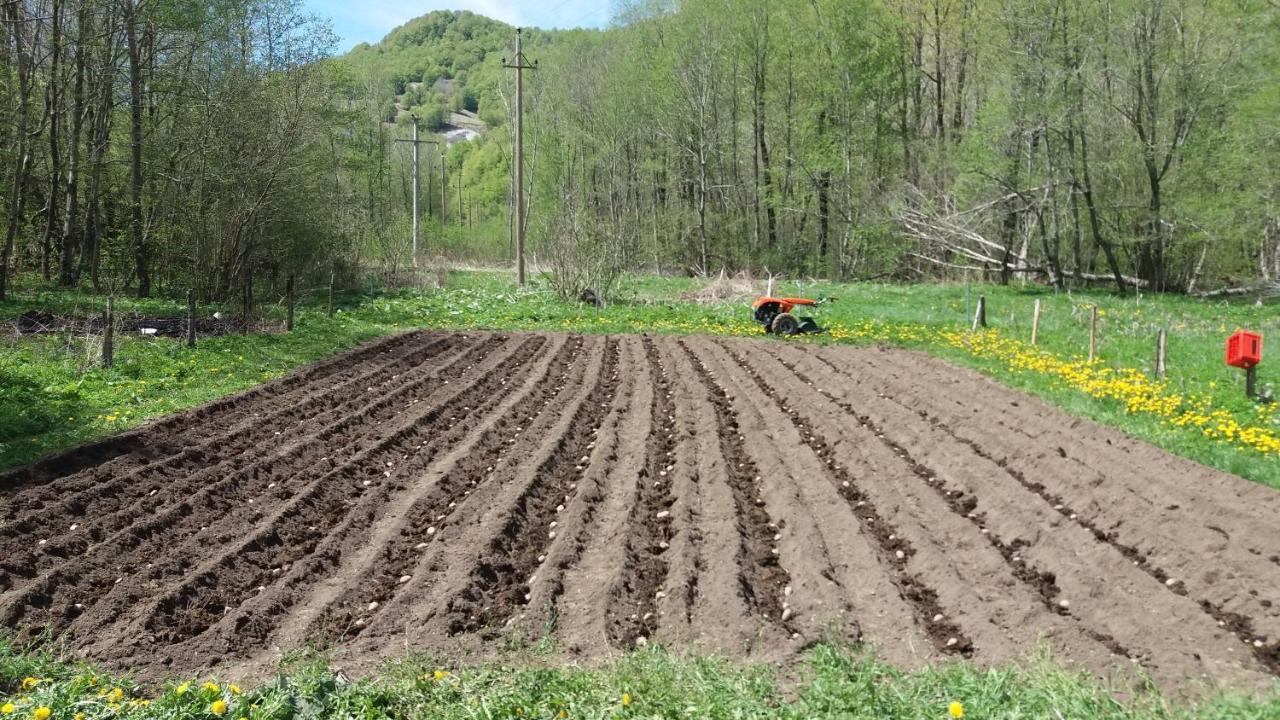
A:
(462, 492)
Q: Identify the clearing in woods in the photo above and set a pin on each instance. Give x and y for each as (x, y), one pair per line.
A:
(451, 491)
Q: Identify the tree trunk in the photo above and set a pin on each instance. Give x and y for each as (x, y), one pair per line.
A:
(53, 110)
(16, 15)
(141, 253)
(71, 212)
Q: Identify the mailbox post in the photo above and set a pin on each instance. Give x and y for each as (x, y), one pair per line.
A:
(1244, 350)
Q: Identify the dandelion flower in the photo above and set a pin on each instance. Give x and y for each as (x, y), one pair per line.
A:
(234, 688)
(563, 714)
(29, 683)
(182, 689)
(955, 710)
(218, 707)
(115, 695)
(7, 709)
(211, 687)
(79, 716)
(439, 675)
(626, 699)
(42, 713)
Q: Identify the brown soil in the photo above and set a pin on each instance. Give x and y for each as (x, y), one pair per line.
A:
(469, 493)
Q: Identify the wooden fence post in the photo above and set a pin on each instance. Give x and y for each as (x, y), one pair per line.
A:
(288, 319)
(1035, 322)
(1162, 347)
(1251, 382)
(108, 333)
(248, 302)
(1093, 332)
(980, 317)
(330, 311)
(191, 318)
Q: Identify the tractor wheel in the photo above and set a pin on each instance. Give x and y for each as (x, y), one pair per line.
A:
(785, 324)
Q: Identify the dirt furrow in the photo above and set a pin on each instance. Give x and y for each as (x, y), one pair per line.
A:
(216, 513)
(112, 503)
(166, 436)
(353, 493)
(586, 514)
(703, 529)
(500, 582)
(1172, 549)
(581, 576)
(348, 557)
(1268, 655)
(1045, 560)
(893, 551)
(428, 519)
(762, 579)
(164, 500)
(633, 609)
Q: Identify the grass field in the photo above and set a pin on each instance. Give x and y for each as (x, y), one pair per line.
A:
(51, 396)
(830, 683)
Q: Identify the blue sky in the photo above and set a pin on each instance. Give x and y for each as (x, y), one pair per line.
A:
(368, 21)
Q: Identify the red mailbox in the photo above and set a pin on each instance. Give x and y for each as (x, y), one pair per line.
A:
(1244, 349)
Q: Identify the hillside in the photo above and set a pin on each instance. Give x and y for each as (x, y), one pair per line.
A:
(442, 62)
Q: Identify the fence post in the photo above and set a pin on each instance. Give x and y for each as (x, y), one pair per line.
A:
(1035, 322)
(980, 317)
(1251, 382)
(1093, 332)
(288, 320)
(108, 333)
(1162, 347)
(248, 302)
(191, 318)
(330, 310)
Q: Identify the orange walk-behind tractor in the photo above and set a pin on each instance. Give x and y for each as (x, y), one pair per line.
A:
(777, 317)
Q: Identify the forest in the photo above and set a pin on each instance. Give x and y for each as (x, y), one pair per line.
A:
(150, 146)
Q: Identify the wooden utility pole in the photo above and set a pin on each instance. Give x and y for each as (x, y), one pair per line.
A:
(520, 64)
(416, 165)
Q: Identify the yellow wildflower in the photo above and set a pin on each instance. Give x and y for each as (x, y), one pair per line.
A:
(218, 707)
(115, 695)
(234, 688)
(29, 683)
(182, 689)
(211, 687)
(955, 710)
(79, 716)
(440, 675)
(563, 714)
(7, 709)
(626, 699)
(42, 713)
